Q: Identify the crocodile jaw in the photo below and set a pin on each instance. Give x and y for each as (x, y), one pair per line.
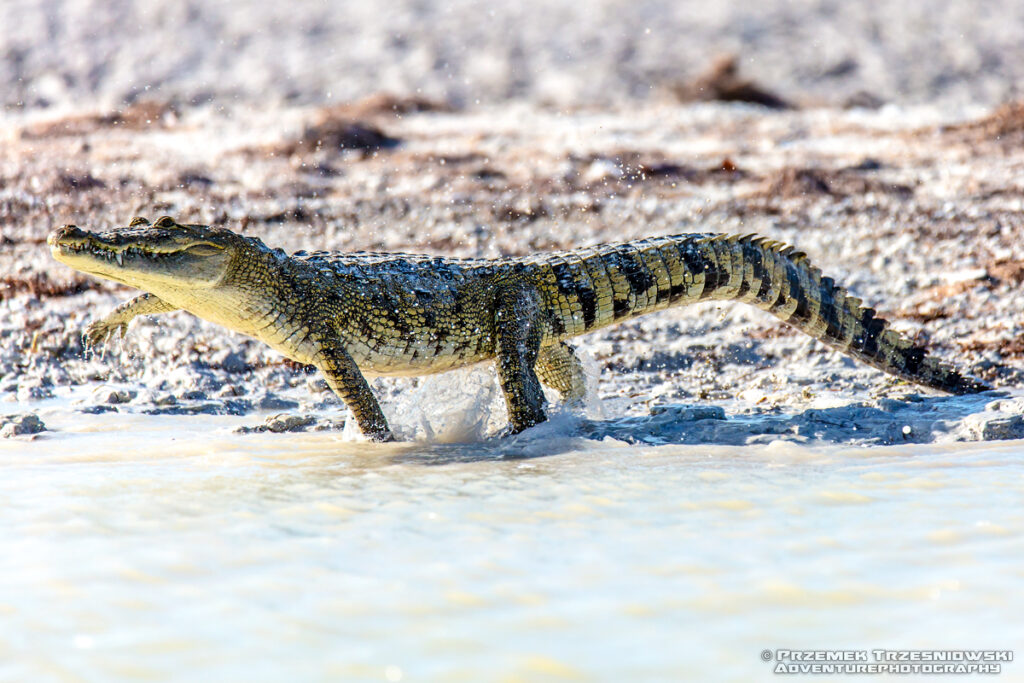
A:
(153, 264)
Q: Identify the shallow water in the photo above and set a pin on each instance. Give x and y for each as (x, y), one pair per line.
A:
(152, 548)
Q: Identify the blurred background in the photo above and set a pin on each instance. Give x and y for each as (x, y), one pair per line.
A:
(555, 52)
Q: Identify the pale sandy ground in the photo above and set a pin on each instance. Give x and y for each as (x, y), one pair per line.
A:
(520, 130)
(73, 52)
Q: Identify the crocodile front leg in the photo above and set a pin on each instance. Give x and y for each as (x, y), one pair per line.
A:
(117, 320)
(345, 379)
(518, 333)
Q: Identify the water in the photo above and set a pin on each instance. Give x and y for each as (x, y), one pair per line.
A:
(159, 548)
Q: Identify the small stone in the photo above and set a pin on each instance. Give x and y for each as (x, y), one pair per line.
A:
(289, 423)
(165, 400)
(229, 361)
(279, 424)
(1002, 428)
(689, 413)
(115, 396)
(97, 409)
(194, 395)
(237, 406)
(994, 426)
(328, 425)
(317, 385)
(270, 402)
(1013, 406)
(16, 425)
(33, 390)
(891, 405)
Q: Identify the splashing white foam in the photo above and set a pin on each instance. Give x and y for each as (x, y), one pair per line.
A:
(467, 406)
(452, 407)
(592, 404)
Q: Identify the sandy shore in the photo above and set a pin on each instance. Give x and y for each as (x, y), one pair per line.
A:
(874, 136)
(919, 215)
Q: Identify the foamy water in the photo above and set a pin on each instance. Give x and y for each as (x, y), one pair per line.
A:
(154, 548)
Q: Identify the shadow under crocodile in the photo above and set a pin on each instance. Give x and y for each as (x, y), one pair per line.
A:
(914, 419)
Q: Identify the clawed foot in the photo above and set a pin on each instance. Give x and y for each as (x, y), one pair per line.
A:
(99, 331)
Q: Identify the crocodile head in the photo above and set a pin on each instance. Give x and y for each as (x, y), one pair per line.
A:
(149, 256)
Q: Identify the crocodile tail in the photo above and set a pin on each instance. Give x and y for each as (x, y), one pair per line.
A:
(596, 287)
(781, 280)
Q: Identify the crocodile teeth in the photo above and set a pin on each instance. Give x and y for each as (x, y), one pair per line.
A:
(120, 259)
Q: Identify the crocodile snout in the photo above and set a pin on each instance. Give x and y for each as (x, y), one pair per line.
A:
(66, 234)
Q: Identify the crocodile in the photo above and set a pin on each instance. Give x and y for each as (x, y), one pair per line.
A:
(359, 314)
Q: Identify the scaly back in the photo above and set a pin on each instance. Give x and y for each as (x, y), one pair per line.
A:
(587, 289)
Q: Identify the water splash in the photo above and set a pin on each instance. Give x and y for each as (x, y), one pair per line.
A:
(467, 406)
(593, 407)
(461, 406)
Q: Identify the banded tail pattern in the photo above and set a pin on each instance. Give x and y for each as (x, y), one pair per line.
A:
(587, 289)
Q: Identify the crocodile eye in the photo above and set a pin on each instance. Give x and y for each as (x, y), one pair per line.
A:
(138, 220)
(165, 222)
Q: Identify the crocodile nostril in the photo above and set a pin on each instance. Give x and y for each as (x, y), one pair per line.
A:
(65, 232)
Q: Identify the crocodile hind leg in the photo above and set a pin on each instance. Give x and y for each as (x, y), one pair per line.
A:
(345, 380)
(559, 368)
(117, 320)
(518, 335)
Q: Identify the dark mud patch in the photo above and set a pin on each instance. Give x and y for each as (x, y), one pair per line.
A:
(67, 181)
(340, 134)
(356, 126)
(41, 286)
(138, 116)
(797, 183)
(722, 82)
(1008, 349)
(934, 303)
(194, 179)
(637, 167)
(1006, 271)
(624, 171)
(388, 104)
(1005, 125)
